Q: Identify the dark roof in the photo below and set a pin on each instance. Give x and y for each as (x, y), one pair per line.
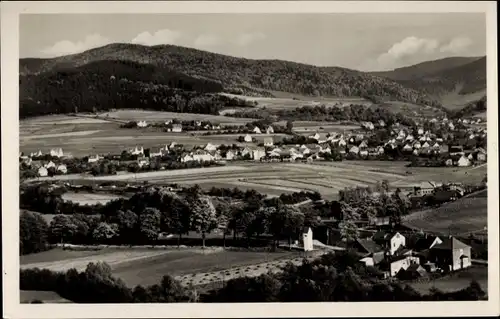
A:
(305, 230)
(369, 245)
(378, 257)
(450, 244)
(424, 242)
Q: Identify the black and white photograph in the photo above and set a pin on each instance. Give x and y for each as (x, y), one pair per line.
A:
(251, 157)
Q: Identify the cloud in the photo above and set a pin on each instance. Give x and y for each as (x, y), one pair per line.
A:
(164, 36)
(245, 39)
(67, 47)
(206, 40)
(413, 50)
(456, 45)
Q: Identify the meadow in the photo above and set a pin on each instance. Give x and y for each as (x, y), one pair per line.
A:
(83, 198)
(466, 215)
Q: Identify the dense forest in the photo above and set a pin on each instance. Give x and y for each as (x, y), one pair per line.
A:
(154, 69)
(467, 75)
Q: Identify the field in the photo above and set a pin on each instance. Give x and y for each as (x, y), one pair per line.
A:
(273, 179)
(455, 101)
(147, 266)
(285, 100)
(27, 296)
(456, 281)
(466, 215)
(88, 198)
(411, 110)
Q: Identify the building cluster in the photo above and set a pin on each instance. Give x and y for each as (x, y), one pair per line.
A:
(413, 257)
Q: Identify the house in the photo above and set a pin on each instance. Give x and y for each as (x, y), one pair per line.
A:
(256, 130)
(363, 153)
(93, 158)
(36, 154)
(167, 122)
(407, 148)
(186, 158)
(451, 126)
(380, 150)
(414, 271)
(62, 168)
(381, 123)
(451, 254)
(230, 155)
(397, 263)
(248, 138)
(137, 151)
(316, 136)
(157, 153)
(56, 152)
(210, 147)
(176, 128)
(307, 238)
(368, 125)
(426, 145)
(42, 171)
(49, 165)
(372, 253)
(354, 150)
(342, 142)
(420, 131)
(363, 145)
(448, 162)
(142, 124)
(463, 161)
(324, 149)
(409, 138)
(424, 188)
(268, 141)
(258, 154)
(197, 123)
(390, 241)
(202, 156)
(143, 162)
(269, 130)
(481, 154)
(27, 160)
(304, 150)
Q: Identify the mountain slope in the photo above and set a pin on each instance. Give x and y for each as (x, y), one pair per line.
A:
(240, 73)
(442, 77)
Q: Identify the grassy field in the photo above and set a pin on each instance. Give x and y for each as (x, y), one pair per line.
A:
(88, 198)
(147, 266)
(27, 296)
(468, 214)
(457, 281)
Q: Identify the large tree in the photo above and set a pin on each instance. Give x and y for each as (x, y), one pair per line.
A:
(33, 233)
(203, 216)
(149, 223)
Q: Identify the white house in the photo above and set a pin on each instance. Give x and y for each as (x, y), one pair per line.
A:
(93, 159)
(342, 142)
(57, 152)
(417, 145)
(158, 153)
(257, 154)
(316, 136)
(426, 145)
(381, 123)
(363, 145)
(176, 128)
(307, 239)
(420, 131)
(256, 130)
(186, 158)
(230, 154)
(268, 141)
(167, 122)
(202, 156)
(409, 138)
(269, 130)
(42, 171)
(402, 262)
(49, 165)
(451, 126)
(137, 151)
(62, 168)
(463, 161)
(354, 150)
(36, 154)
(248, 138)
(380, 150)
(396, 241)
(363, 152)
(407, 148)
(142, 124)
(210, 147)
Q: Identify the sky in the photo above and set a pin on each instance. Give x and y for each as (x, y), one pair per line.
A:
(366, 42)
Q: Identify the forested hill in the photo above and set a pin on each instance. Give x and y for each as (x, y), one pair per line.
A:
(238, 73)
(463, 74)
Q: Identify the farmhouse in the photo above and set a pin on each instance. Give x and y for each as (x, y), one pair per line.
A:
(155, 153)
(42, 171)
(49, 165)
(316, 136)
(202, 156)
(248, 138)
(257, 154)
(142, 124)
(93, 159)
(269, 130)
(56, 152)
(425, 188)
(176, 128)
(397, 263)
(268, 141)
(463, 161)
(137, 151)
(481, 154)
(451, 254)
(363, 153)
(210, 147)
(230, 155)
(186, 158)
(62, 168)
(36, 154)
(390, 241)
(354, 150)
(256, 130)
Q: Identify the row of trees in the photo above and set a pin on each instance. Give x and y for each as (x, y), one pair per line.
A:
(333, 277)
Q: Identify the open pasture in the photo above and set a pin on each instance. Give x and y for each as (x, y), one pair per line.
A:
(466, 215)
(157, 116)
(83, 198)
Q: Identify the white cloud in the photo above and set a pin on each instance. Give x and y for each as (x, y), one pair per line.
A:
(206, 40)
(412, 50)
(456, 45)
(67, 47)
(164, 36)
(245, 39)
